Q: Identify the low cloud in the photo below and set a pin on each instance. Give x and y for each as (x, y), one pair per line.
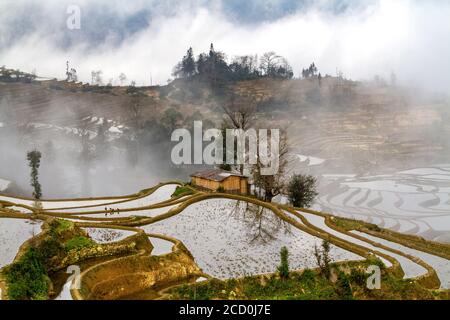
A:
(146, 39)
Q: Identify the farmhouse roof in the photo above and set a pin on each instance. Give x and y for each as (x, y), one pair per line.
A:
(216, 175)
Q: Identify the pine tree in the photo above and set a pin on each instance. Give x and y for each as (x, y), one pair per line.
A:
(188, 64)
(283, 268)
(34, 161)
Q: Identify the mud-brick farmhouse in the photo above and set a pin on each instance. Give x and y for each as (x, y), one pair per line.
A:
(220, 179)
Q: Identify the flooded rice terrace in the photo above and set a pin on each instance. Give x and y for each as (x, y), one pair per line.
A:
(233, 239)
(13, 233)
(414, 201)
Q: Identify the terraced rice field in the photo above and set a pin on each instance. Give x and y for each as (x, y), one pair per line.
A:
(231, 238)
(225, 242)
(415, 201)
(13, 233)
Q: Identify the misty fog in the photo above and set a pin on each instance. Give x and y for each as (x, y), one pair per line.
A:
(144, 39)
(372, 130)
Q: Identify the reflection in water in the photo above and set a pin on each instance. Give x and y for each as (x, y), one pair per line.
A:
(262, 224)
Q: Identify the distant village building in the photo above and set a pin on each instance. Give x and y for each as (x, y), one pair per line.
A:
(220, 179)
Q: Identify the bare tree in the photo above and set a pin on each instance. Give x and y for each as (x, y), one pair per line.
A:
(269, 62)
(270, 186)
(96, 78)
(239, 114)
(122, 78)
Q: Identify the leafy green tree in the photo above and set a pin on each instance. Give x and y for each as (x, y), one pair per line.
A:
(283, 268)
(34, 162)
(302, 190)
(217, 68)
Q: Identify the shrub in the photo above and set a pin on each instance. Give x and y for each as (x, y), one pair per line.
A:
(343, 287)
(220, 189)
(50, 248)
(323, 258)
(27, 278)
(308, 276)
(283, 268)
(302, 190)
(78, 243)
(358, 277)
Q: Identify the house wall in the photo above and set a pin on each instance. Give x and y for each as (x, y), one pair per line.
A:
(204, 183)
(230, 184)
(244, 186)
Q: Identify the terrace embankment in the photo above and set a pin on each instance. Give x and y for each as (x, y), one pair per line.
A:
(126, 276)
(60, 244)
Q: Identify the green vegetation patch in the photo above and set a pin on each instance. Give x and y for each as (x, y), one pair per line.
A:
(349, 224)
(59, 226)
(27, 278)
(307, 285)
(181, 190)
(348, 281)
(78, 242)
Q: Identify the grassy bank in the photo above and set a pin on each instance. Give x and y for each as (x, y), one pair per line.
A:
(347, 282)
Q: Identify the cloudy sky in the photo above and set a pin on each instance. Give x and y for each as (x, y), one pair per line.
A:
(145, 38)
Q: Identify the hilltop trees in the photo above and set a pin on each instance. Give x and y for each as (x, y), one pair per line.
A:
(245, 68)
(275, 66)
(34, 162)
(71, 73)
(10, 75)
(311, 71)
(96, 78)
(213, 67)
(187, 67)
(122, 78)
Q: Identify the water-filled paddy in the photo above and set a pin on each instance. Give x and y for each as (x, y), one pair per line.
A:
(161, 194)
(414, 201)
(227, 240)
(13, 233)
(104, 235)
(440, 265)
(410, 268)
